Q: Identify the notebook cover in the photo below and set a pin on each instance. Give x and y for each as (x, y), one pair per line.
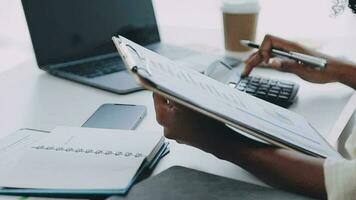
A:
(86, 193)
(180, 183)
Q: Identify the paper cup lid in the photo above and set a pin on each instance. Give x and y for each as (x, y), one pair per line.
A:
(240, 6)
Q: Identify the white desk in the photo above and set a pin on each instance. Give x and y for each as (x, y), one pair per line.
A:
(34, 99)
(31, 98)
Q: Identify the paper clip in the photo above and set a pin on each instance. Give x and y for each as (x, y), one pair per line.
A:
(142, 59)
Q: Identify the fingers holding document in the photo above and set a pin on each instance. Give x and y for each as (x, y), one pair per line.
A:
(188, 126)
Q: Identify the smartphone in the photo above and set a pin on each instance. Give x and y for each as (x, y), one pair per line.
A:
(116, 116)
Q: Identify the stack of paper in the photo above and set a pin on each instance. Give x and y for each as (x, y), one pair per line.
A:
(76, 161)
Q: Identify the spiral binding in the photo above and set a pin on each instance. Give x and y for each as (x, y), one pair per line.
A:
(89, 151)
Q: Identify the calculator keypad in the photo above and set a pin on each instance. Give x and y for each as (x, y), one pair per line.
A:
(282, 93)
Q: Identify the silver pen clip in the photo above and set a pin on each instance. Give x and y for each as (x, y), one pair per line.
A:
(143, 60)
(319, 62)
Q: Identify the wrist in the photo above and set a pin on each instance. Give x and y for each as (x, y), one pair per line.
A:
(343, 72)
(230, 145)
(217, 142)
(335, 71)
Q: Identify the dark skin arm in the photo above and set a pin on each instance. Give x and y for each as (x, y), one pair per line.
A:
(336, 70)
(278, 167)
(281, 168)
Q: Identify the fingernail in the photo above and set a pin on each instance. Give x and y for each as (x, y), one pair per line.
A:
(243, 73)
(270, 62)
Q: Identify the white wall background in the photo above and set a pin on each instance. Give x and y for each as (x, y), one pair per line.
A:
(309, 19)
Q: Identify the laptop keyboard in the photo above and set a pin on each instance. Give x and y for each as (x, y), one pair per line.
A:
(96, 68)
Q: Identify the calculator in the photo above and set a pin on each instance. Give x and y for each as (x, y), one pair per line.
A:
(279, 92)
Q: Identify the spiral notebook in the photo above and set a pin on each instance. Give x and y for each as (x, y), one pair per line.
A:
(81, 161)
(244, 113)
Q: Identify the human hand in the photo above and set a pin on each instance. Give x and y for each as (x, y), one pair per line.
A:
(188, 126)
(304, 71)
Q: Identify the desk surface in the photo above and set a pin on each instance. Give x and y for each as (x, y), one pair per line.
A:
(34, 99)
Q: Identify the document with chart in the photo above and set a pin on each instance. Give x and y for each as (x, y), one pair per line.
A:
(241, 111)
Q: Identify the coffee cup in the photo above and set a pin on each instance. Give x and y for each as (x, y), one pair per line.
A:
(240, 22)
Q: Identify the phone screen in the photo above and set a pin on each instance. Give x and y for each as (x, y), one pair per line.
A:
(116, 116)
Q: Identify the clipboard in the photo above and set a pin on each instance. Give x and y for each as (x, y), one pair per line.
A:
(260, 119)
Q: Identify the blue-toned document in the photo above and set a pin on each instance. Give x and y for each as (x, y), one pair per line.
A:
(243, 112)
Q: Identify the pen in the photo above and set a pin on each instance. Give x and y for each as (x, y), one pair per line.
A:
(317, 63)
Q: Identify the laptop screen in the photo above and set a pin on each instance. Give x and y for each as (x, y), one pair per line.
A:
(70, 30)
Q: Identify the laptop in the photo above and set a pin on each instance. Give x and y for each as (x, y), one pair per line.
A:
(72, 39)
